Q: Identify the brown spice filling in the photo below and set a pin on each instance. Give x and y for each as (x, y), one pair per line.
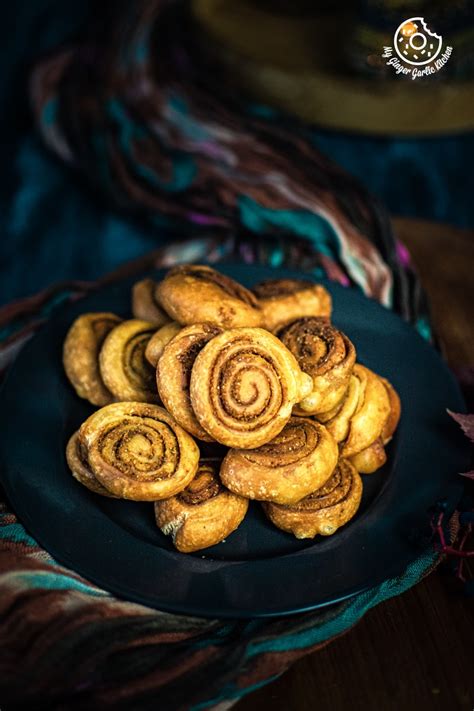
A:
(296, 441)
(101, 328)
(139, 370)
(334, 492)
(203, 487)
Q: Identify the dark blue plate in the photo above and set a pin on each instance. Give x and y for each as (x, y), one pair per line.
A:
(258, 570)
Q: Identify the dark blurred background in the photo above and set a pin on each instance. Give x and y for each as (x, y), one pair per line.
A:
(54, 227)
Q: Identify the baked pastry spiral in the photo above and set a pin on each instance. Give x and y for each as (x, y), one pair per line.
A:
(81, 355)
(284, 300)
(123, 366)
(338, 419)
(198, 294)
(323, 511)
(298, 461)
(159, 340)
(326, 354)
(393, 418)
(138, 452)
(173, 374)
(244, 384)
(371, 458)
(76, 455)
(145, 304)
(203, 514)
(370, 415)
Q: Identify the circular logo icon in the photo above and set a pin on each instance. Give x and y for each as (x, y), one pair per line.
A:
(415, 43)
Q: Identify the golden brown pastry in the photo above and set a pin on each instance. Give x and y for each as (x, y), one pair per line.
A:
(298, 461)
(159, 340)
(244, 384)
(81, 355)
(203, 514)
(395, 411)
(173, 374)
(145, 304)
(137, 451)
(323, 511)
(326, 354)
(284, 300)
(370, 459)
(338, 419)
(373, 457)
(370, 416)
(76, 455)
(123, 366)
(198, 294)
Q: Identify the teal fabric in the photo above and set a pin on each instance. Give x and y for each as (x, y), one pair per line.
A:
(52, 220)
(337, 620)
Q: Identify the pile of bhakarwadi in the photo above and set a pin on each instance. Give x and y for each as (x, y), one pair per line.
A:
(214, 394)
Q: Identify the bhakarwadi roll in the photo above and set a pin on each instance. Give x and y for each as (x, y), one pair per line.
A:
(173, 374)
(137, 451)
(146, 305)
(368, 460)
(323, 511)
(123, 366)
(76, 455)
(324, 353)
(244, 385)
(199, 294)
(373, 457)
(284, 300)
(158, 341)
(81, 355)
(370, 416)
(393, 418)
(296, 462)
(203, 514)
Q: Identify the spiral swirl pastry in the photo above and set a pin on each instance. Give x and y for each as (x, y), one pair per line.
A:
(298, 461)
(199, 294)
(123, 366)
(371, 458)
(156, 344)
(244, 384)
(76, 455)
(284, 300)
(326, 354)
(371, 413)
(81, 355)
(323, 511)
(203, 514)
(395, 411)
(138, 452)
(145, 303)
(173, 374)
(338, 420)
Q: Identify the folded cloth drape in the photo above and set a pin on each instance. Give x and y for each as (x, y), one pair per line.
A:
(149, 123)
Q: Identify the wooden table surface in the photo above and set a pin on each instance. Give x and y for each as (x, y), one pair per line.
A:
(415, 651)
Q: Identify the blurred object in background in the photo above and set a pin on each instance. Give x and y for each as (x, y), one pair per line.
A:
(48, 210)
(408, 141)
(322, 65)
